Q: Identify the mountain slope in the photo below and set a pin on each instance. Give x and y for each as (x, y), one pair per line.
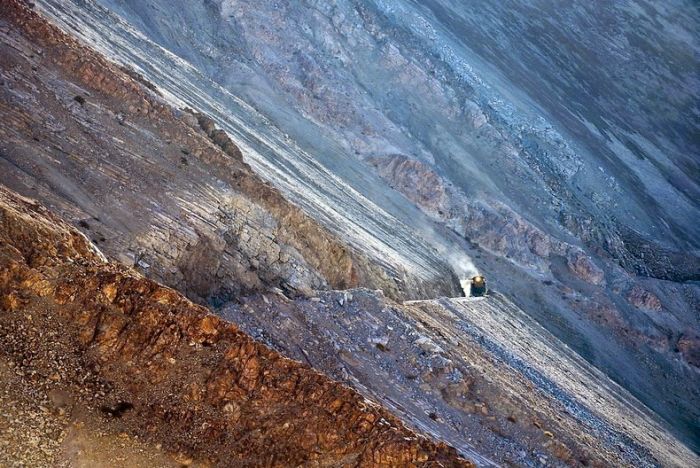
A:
(361, 145)
(407, 128)
(164, 189)
(170, 371)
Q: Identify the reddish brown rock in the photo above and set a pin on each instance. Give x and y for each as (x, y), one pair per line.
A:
(194, 383)
(582, 266)
(689, 347)
(643, 299)
(417, 181)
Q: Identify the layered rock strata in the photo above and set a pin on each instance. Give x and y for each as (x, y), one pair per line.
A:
(160, 188)
(174, 373)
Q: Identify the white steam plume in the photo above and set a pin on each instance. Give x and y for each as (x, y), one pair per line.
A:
(462, 265)
(464, 268)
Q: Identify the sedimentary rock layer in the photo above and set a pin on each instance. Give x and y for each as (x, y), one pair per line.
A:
(156, 187)
(191, 381)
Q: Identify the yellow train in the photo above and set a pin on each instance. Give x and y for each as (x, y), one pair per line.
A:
(477, 287)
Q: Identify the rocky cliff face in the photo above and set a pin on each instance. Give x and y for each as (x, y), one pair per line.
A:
(565, 180)
(368, 144)
(158, 188)
(173, 373)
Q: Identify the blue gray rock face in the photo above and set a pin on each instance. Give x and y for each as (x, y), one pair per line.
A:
(598, 99)
(554, 145)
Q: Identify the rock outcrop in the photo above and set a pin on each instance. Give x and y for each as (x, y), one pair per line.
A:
(689, 347)
(160, 188)
(490, 225)
(643, 299)
(189, 381)
(417, 181)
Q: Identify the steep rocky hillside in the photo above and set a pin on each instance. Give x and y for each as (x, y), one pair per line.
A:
(323, 175)
(102, 366)
(552, 147)
(475, 372)
(90, 336)
(159, 188)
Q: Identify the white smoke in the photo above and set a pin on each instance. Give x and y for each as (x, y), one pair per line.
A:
(466, 286)
(462, 265)
(464, 268)
(459, 261)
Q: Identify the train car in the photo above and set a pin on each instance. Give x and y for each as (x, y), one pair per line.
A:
(477, 287)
